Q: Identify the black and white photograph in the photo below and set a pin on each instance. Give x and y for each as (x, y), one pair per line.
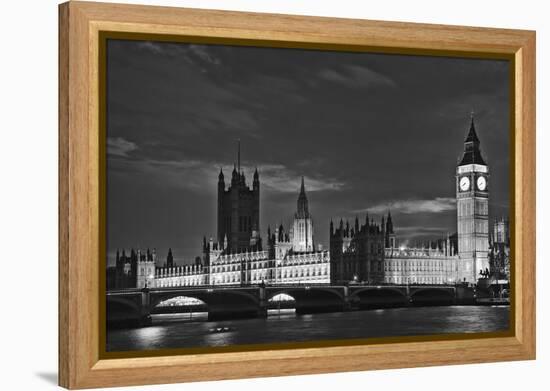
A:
(265, 195)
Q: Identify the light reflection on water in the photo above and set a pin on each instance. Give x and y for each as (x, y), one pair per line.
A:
(176, 331)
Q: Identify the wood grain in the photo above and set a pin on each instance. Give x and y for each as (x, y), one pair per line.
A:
(79, 240)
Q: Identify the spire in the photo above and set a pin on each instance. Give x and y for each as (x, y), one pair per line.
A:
(239, 154)
(169, 258)
(220, 176)
(256, 175)
(389, 224)
(302, 209)
(472, 136)
(472, 152)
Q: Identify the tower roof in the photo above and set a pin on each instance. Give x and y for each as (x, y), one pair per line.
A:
(472, 152)
(472, 135)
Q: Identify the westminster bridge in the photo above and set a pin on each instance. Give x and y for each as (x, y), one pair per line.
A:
(229, 302)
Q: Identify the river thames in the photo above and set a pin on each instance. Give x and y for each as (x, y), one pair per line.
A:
(178, 331)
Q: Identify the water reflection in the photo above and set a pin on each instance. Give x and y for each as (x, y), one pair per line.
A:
(176, 331)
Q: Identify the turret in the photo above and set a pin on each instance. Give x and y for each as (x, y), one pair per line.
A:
(234, 176)
(472, 152)
(256, 182)
(221, 181)
(170, 258)
(302, 210)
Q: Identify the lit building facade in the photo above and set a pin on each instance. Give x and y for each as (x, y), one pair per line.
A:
(472, 194)
(289, 257)
(366, 252)
(499, 250)
(434, 264)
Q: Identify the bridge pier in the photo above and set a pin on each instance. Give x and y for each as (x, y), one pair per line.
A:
(263, 305)
(347, 303)
(145, 308)
(464, 295)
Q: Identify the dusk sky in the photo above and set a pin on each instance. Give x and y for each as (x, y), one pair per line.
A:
(369, 132)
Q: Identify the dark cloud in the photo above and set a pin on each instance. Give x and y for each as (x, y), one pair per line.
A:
(367, 131)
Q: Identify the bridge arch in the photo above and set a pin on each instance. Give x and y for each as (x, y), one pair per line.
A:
(281, 297)
(123, 311)
(357, 291)
(299, 290)
(206, 296)
(281, 301)
(179, 304)
(220, 303)
(378, 297)
(432, 296)
(124, 302)
(311, 300)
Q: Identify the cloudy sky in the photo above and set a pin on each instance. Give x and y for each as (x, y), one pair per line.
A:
(369, 132)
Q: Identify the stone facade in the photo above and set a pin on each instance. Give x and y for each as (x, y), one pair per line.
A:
(421, 265)
(239, 211)
(472, 194)
(301, 234)
(499, 250)
(289, 258)
(359, 253)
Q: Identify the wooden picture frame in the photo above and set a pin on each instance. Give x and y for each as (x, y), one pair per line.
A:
(80, 166)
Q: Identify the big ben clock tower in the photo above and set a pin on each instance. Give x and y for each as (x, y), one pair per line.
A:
(472, 195)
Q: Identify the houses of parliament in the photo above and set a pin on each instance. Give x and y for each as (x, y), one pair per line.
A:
(365, 251)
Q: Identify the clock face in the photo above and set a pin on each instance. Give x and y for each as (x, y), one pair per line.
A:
(464, 183)
(481, 183)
